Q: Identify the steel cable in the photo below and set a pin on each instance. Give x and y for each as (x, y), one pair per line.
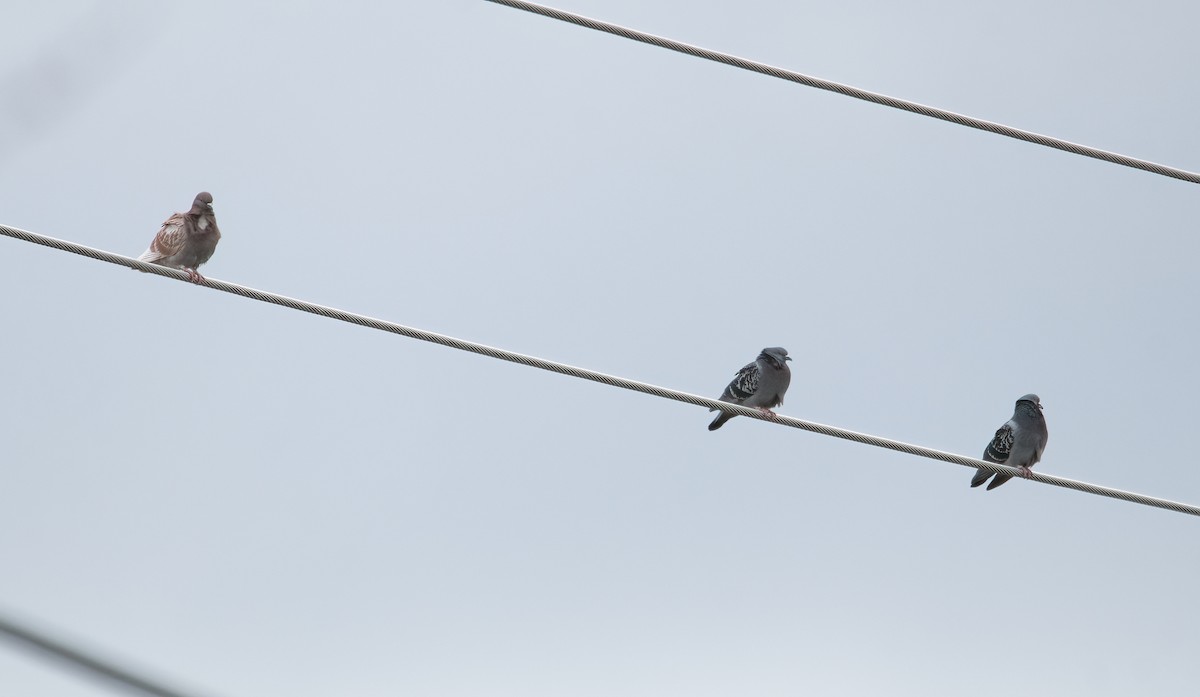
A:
(82, 659)
(613, 380)
(792, 76)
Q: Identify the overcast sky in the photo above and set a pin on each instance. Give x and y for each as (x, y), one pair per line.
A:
(244, 500)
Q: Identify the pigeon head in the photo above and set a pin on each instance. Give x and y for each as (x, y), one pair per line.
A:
(202, 204)
(1032, 399)
(776, 355)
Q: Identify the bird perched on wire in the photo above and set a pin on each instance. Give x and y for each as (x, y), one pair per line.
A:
(1018, 443)
(760, 385)
(186, 240)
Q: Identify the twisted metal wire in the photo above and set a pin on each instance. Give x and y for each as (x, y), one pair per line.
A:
(81, 659)
(855, 92)
(613, 380)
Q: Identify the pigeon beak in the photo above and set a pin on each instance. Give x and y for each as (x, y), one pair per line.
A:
(787, 358)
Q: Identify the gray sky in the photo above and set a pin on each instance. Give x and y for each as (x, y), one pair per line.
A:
(247, 500)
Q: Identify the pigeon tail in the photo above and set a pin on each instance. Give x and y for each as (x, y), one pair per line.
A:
(980, 477)
(1000, 479)
(720, 420)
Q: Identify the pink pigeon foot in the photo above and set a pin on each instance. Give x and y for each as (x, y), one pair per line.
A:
(1024, 472)
(767, 412)
(193, 275)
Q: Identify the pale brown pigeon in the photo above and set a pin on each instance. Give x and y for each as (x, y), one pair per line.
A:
(186, 240)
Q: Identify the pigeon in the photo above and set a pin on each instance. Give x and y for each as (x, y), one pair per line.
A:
(1018, 443)
(760, 384)
(186, 240)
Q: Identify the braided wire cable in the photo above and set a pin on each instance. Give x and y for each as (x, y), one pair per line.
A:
(885, 100)
(81, 659)
(612, 380)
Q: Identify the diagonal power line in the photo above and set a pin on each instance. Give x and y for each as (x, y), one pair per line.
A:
(79, 658)
(612, 380)
(792, 76)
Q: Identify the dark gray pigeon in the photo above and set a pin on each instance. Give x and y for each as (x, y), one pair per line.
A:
(1019, 443)
(186, 240)
(760, 385)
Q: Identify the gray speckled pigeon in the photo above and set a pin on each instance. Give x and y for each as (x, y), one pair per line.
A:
(186, 240)
(760, 385)
(1018, 443)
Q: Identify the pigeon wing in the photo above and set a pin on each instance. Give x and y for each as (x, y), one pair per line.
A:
(744, 385)
(1001, 446)
(169, 241)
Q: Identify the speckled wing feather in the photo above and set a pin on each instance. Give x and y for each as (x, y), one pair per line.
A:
(744, 384)
(997, 451)
(169, 241)
(743, 387)
(1001, 446)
